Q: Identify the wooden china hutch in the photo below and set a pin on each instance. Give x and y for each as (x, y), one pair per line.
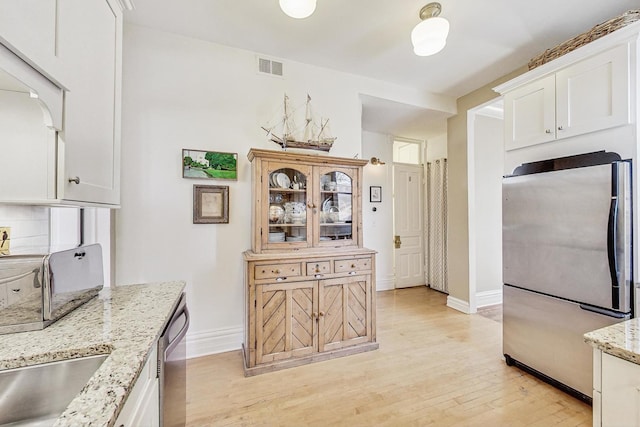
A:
(309, 283)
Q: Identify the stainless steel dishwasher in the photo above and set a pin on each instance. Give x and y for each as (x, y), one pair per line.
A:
(172, 368)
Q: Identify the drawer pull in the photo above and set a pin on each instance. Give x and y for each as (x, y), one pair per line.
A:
(15, 291)
(280, 279)
(352, 273)
(276, 271)
(547, 131)
(318, 276)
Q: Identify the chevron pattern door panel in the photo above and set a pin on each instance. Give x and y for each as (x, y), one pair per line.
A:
(344, 308)
(286, 320)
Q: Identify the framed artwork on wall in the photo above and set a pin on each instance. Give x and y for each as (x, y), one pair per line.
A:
(209, 165)
(210, 204)
(375, 194)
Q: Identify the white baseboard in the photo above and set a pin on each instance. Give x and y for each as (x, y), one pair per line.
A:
(486, 298)
(384, 284)
(214, 341)
(458, 304)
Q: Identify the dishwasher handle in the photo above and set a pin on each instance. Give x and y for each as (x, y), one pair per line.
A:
(170, 345)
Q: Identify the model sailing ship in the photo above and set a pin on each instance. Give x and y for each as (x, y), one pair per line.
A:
(313, 135)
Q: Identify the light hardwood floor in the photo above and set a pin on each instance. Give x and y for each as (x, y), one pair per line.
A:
(435, 367)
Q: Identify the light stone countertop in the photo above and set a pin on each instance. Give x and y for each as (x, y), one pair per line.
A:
(620, 339)
(124, 322)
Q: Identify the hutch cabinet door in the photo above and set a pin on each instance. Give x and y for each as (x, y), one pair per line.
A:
(345, 312)
(286, 324)
(336, 200)
(285, 216)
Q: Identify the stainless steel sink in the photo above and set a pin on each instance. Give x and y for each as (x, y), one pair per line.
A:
(37, 395)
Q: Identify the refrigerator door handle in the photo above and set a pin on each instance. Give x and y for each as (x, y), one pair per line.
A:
(612, 244)
(604, 311)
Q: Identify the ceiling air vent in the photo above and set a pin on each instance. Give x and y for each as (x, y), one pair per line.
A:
(268, 66)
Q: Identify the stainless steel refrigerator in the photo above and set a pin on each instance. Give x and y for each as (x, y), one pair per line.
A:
(567, 263)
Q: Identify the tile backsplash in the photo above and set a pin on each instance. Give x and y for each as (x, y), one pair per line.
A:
(29, 228)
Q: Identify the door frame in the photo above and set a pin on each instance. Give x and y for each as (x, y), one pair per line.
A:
(472, 305)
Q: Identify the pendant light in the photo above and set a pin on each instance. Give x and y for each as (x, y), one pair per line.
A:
(430, 35)
(298, 8)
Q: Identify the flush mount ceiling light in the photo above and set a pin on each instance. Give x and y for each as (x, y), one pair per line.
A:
(430, 35)
(298, 8)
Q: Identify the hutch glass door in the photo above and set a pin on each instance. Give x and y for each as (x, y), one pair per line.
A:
(287, 206)
(337, 201)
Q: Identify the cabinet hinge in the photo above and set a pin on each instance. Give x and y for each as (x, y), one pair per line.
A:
(260, 231)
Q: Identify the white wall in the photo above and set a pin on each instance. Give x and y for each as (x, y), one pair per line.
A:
(185, 93)
(378, 225)
(488, 143)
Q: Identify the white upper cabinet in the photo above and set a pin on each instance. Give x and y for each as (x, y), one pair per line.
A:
(90, 139)
(28, 28)
(594, 93)
(530, 114)
(586, 96)
(74, 148)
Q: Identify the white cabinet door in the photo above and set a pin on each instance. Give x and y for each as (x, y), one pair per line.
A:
(142, 407)
(28, 28)
(90, 46)
(593, 94)
(529, 114)
(620, 397)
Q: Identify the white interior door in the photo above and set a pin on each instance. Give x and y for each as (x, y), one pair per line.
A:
(408, 226)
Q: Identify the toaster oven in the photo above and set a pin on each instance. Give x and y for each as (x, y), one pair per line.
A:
(37, 290)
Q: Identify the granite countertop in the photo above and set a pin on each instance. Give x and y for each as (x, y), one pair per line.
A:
(620, 339)
(124, 322)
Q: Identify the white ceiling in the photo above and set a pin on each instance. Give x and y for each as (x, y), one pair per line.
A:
(488, 39)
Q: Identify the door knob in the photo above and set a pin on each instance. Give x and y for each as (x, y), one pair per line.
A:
(397, 242)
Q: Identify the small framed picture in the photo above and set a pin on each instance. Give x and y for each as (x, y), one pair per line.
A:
(209, 165)
(210, 204)
(375, 194)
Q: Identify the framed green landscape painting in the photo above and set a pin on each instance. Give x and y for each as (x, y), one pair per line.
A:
(201, 164)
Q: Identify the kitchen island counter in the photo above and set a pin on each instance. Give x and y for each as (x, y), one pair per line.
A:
(620, 339)
(124, 322)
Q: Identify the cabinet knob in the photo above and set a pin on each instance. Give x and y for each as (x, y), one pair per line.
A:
(76, 180)
(353, 266)
(321, 313)
(560, 127)
(314, 315)
(277, 271)
(547, 131)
